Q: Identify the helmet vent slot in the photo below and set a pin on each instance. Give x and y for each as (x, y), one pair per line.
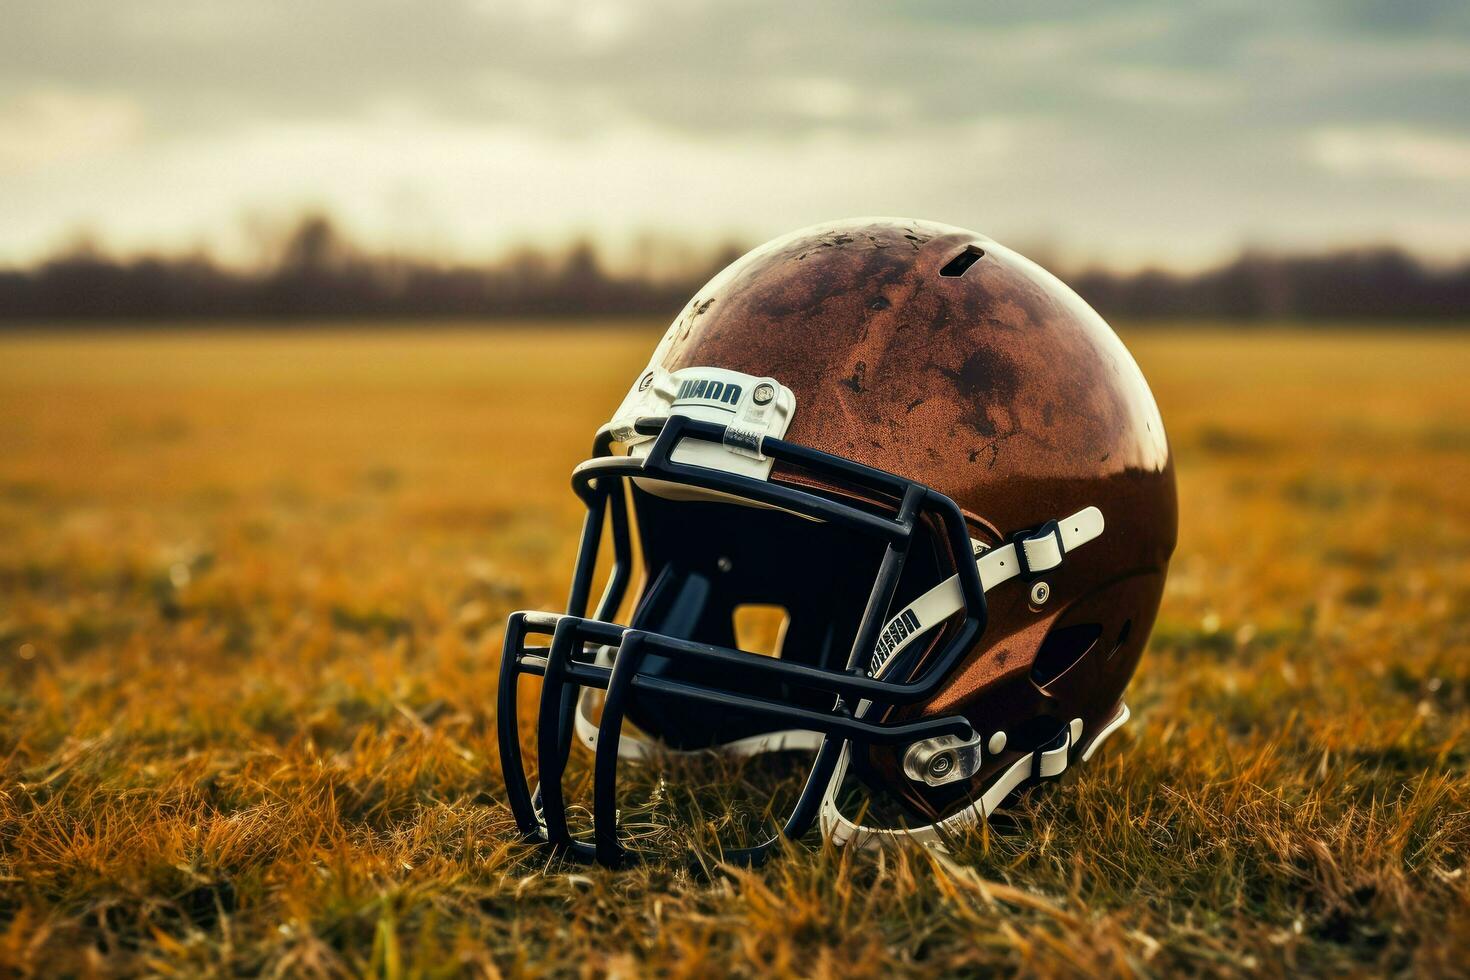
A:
(956, 266)
(1061, 649)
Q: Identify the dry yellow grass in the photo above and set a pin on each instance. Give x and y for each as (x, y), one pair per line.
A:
(251, 589)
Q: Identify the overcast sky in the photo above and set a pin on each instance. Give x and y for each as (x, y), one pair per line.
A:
(1128, 132)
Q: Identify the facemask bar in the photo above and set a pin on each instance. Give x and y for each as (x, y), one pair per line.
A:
(566, 665)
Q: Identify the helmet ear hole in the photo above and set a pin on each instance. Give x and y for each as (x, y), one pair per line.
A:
(1062, 648)
(1035, 732)
(1122, 637)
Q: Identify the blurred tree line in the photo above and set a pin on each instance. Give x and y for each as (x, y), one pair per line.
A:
(318, 273)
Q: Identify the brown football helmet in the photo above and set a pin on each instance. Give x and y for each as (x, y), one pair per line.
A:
(937, 460)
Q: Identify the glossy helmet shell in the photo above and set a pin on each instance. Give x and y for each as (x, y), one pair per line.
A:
(939, 355)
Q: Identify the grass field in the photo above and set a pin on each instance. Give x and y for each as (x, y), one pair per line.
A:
(251, 594)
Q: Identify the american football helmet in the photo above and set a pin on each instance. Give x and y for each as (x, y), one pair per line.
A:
(941, 467)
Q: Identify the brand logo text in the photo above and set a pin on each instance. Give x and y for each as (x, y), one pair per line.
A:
(707, 390)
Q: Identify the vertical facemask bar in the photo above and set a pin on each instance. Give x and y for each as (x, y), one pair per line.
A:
(603, 497)
(587, 550)
(977, 612)
(512, 766)
(875, 614)
(622, 569)
(553, 730)
(605, 770)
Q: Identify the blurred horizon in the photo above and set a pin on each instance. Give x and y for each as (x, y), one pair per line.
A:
(314, 270)
(1121, 136)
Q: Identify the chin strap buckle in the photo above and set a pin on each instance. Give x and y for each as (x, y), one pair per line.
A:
(1050, 761)
(1040, 551)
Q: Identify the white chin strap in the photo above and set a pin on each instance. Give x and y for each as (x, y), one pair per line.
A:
(1043, 765)
(1040, 553)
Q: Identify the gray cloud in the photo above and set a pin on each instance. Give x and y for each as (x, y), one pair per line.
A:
(697, 66)
(1230, 98)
